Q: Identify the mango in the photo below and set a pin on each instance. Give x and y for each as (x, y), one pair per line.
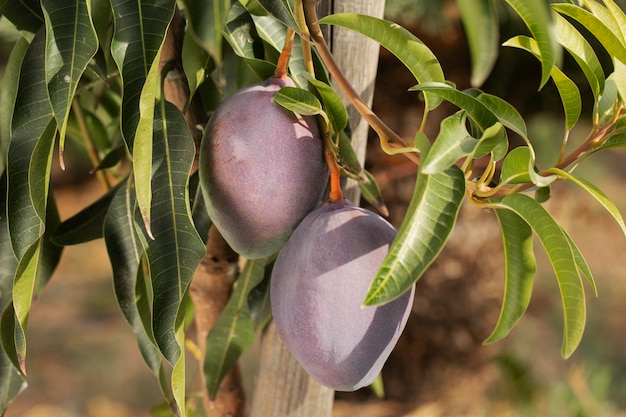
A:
(261, 169)
(318, 285)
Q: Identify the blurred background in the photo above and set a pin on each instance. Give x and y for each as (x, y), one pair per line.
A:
(83, 359)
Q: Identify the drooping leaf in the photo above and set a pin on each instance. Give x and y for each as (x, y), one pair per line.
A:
(480, 20)
(370, 191)
(233, 332)
(411, 51)
(581, 263)
(131, 282)
(71, 42)
(26, 15)
(596, 193)
(87, 224)
(537, 16)
(593, 24)
(570, 95)
(206, 20)
(299, 101)
(176, 249)
(580, 49)
(504, 111)
(430, 218)
(11, 381)
(332, 103)
(557, 246)
(195, 63)
(8, 93)
(519, 272)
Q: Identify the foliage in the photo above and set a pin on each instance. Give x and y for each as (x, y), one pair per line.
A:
(89, 72)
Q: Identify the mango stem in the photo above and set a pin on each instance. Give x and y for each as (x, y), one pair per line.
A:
(282, 66)
(335, 177)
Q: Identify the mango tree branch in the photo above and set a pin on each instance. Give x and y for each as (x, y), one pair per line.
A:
(387, 136)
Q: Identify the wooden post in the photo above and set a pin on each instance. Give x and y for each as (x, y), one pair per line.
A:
(283, 388)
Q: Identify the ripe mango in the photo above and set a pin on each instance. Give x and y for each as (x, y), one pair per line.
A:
(261, 168)
(318, 285)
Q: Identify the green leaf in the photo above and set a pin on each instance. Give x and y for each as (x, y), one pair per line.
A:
(582, 52)
(515, 168)
(87, 224)
(206, 20)
(557, 246)
(596, 26)
(234, 331)
(570, 95)
(537, 17)
(140, 28)
(8, 94)
(519, 272)
(195, 63)
(476, 110)
(370, 191)
(596, 193)
(333, 105)
(299, 101)
(176, 249)
(480, 20)
(31, 138)
(132, 286)
(430, 218)
(411, 51)
(619, 18)
(283, 10)
(71, 42)
(11, 381)
(581, 262)
(504, 112)
(25, 15)
(619, 74)
(452, 143)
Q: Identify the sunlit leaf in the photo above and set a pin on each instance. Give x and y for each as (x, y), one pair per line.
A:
(71, 42)
(557, 246)
(283, 10)
(480, 20)
(537, 17)
(593, 24)
(430, 218)
(452, 143)
(504, 111)
(299, 101)
(596, 193)
(570, 95)
(515, 168)
(580, 49)
(332, 103)
(519, 272)
(233, 333)
(411, 51)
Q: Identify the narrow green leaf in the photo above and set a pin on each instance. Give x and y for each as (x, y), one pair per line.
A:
(596, 193)
(411, 51)
(559, 251)
(452, 143)
(582, 52)
(480, 20)
(370, 191)
(176, 249)
(206, 20)
(605, 16)
(504, 111)
(195, 63)
(594, 25)
(618, 16)
(537, 17)
(299, 101)
(332, 103)
(26, 15)
(125, 252)
(233, 332)
(619, 75)
(8, 94)
(431, 216)
(32, 134)
(87, 224)
(140, 28)
(11, 381)
(570, 95)
(476, 110)
(581, 262)
(71, 42)
(283, 10)
(519, 272)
